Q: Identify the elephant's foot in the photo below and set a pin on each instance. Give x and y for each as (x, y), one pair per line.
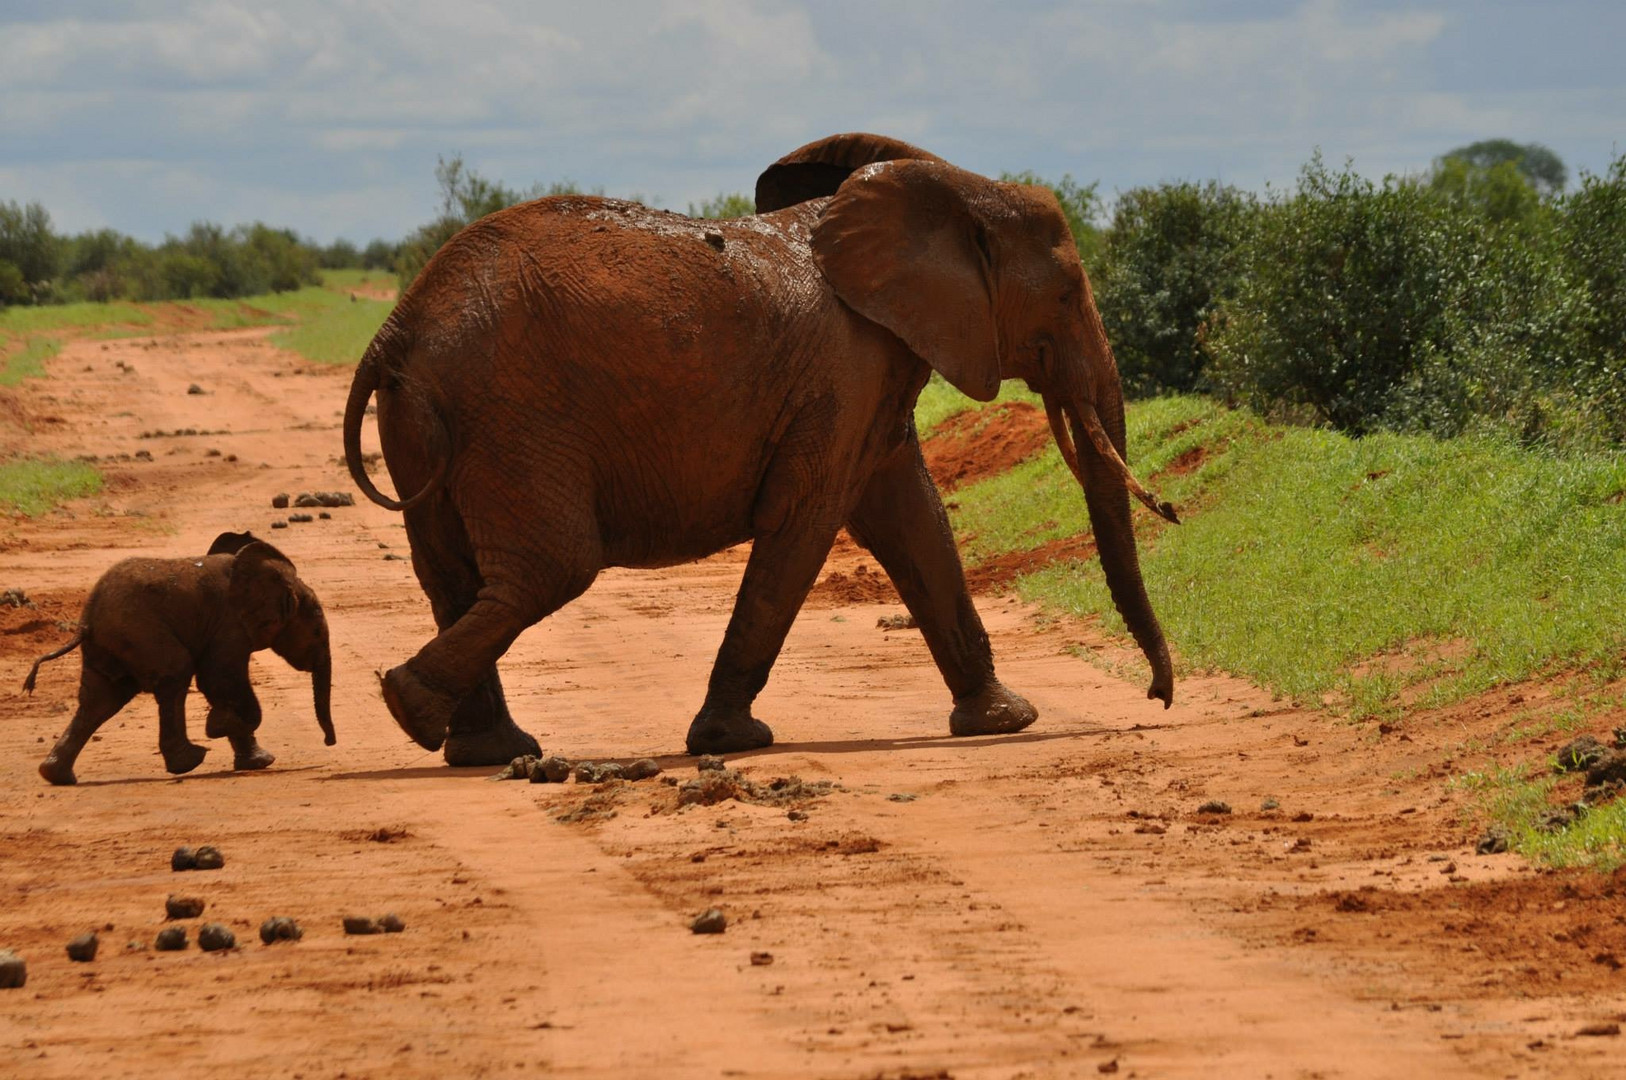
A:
(183, 758)
(497, 745)
(249, 755)
(993, 710)
(58, 771)
(422, 713)
(720, 731)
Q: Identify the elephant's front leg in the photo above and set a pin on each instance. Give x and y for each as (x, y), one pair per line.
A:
(181, 754)
(900, 518)
(784, 563)
(234, 713)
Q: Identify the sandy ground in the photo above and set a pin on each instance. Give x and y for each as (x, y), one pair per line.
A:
(1046, 904)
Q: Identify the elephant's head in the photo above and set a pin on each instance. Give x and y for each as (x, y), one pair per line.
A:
(279, 611)
(982, 280)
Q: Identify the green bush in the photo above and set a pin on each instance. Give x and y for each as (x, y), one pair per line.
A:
(1170, 258)
(1592, 241)
(724, 206)
(29, 245)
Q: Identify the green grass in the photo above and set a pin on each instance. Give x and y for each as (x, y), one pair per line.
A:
(335, 333)
(32, 486)
(1514, 800)
(27, 360)
(1305, 553)
(939, 401)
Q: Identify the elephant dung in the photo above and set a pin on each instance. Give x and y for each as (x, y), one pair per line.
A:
(213, 937)
(184, 858)
(710, 921)
(361, 924)
(183, 907)
(710, 763)
(391, 923)
(83, 948)
(305, 498)
(13, 970)
(518, 769)
(280, 928)
(1214, 806)
(208, 857)
(550, 770)
(642, 769)
(279, 501)
(299, 519)
(170, 939)
(1579, 755)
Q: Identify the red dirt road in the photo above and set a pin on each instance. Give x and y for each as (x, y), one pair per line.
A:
(1040, 905)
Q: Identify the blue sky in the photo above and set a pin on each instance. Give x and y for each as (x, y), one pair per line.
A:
(327, 116)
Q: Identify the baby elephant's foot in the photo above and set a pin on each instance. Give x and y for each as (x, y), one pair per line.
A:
(248, 754)
(993, 710)
(223, 722)
(184, 758)
(727, 731)
(57, 771)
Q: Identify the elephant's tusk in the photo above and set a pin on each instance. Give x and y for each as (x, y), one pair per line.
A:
(1064, 441)
(1091, 423)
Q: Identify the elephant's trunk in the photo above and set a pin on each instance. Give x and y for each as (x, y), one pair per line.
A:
(1094, 453)
(322, 692)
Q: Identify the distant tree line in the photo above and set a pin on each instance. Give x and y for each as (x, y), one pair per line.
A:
(1482, 295)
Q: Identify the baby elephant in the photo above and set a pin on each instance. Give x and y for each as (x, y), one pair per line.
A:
(152, 624)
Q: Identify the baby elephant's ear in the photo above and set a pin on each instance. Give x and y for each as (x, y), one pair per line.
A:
(262, 591)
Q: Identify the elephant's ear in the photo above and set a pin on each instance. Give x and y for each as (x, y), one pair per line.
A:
(818, 169)
(900, 244)
(230, 543)
(262, 590)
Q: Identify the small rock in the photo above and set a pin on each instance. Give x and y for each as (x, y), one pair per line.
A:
(761, 959)
(1270, 804)
(797, 815)
(83, 948)
(194, 389)
(133, 946)
(1494, 842)
(393, 557)
(896, 622)
(710, 763)
(642, 769)
(902, 796)
(1449, 868)
(284, 525)
(279, 501)
(391, 923)
(1214, 806)
(280, 928)
(184, 858)
(325, 516)
(170, 939)
(208, 857)
(213, 937)
(710, 921)
(299, 519)
(1107, 1066)
(13, 970)
(183, 907)
(361, 924)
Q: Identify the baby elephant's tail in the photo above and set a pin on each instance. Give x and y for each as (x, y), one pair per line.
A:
(28, 683)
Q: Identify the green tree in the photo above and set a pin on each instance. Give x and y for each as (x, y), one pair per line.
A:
(733, 205)
(27, 243)
(1544, 169)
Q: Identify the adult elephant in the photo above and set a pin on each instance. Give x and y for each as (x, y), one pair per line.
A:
(576, 383)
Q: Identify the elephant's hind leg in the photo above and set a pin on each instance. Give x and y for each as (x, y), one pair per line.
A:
(100, 697)
(481, 730)
(900, 519)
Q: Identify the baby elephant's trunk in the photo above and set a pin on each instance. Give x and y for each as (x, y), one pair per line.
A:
(322, 691)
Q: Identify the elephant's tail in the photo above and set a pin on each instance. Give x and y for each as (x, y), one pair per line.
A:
(369, 376)
(33, 672)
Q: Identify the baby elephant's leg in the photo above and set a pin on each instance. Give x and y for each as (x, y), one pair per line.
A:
(234, 712)
(100, 696)
(181, 754)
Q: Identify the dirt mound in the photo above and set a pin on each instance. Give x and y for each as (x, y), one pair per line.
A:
(985, 442)
(861, 586)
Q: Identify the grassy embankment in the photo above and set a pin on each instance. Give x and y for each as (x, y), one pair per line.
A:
(1369, 576)
(322, 324)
